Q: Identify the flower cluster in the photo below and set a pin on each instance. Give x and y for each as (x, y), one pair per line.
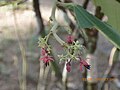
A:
(82, 63)
(46, 58)
(70, 40)
(73, 51)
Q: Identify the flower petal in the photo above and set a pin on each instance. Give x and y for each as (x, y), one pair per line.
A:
(83, 62)
(46, 59)
(81, 66)
(43, 51)
(68, 66)
(70, 39)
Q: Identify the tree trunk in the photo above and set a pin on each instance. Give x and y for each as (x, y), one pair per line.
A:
(39, 18)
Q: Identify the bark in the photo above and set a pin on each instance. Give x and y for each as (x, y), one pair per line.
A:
(39, 18)
(85, 4)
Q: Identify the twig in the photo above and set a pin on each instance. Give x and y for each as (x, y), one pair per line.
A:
(55, 24)
(71, 24)
(64, 77)
(24, 63)
(21, 2)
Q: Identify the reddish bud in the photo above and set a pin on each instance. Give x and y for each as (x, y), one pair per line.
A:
(85, 64)
(81, 66)
(43, 51)
(70, 39)
(68, 66)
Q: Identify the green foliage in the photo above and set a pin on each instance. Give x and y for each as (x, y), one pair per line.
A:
(73, 51)
(111, 8)
(87, 20)
(7, 2)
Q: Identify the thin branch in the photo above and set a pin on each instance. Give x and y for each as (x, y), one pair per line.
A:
(71, 24)
(55, 24)
(22, 80)
(39, 18)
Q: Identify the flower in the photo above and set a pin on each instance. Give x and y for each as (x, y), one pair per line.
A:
(85, 64)
(46, 59)
(68, 66)
(81, 66)
(70, 39)
(43, 51)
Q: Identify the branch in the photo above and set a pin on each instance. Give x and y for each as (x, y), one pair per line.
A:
(55, 24)
(39, 18)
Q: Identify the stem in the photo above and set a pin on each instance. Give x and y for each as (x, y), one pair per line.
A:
(22, 81)
(64, 77)
(66, 16)
(52, 17)
(55, 26)
(48, 36)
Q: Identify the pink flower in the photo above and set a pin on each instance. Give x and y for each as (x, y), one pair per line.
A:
(70, 39)
(45, 56)
(43, 51)
(81, 66)
(68, 66)
(46, 59)
(85, 64)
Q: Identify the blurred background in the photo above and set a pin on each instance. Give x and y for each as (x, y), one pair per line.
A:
(20, 28)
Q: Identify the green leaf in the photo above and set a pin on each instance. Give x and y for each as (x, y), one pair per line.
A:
(111, 8)
(87, 20)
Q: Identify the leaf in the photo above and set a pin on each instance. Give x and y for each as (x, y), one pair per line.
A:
(87, 20)
(111, 8)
